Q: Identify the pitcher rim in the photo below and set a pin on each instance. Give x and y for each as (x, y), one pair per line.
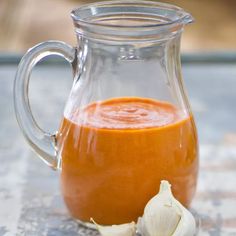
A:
(184, 17)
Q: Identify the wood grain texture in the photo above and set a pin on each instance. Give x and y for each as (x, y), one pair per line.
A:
(30, 200)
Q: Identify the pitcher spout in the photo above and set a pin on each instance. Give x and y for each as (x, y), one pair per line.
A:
(129, 20)
(187, 19)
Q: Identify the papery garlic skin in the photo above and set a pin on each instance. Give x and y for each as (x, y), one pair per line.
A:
(165, 216)
(187, 224)
(116, 230)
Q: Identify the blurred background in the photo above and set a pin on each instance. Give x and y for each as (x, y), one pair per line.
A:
(24, 23)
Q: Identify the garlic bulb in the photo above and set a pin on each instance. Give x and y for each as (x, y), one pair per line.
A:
(116, 230)
(165, 216)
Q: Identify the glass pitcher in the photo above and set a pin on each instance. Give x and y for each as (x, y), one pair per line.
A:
(127, 122)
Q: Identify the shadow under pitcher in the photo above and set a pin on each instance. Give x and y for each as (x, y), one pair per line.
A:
(127, 122)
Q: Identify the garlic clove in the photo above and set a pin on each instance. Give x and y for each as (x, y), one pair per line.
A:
(187, 224)
(116, 230)
(160, 217)
(165, 216)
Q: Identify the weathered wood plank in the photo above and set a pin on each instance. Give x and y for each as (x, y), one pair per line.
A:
(30, 200)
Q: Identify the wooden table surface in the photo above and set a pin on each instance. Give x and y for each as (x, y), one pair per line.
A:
(30, 201)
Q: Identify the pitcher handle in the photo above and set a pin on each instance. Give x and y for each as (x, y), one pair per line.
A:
(42, 142)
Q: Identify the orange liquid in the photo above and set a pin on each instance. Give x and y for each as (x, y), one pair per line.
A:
(115, 153)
